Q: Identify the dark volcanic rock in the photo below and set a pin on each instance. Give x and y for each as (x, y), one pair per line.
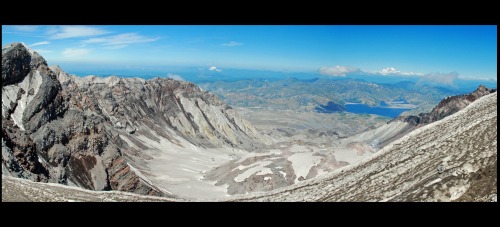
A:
(330, 107)
(43, 140)
(15, 63)
(448, 107)
(87, 131)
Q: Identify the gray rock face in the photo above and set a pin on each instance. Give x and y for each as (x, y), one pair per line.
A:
(403, 171)
(15, 63)
(448, 107)
(137, 105)
(421, 166)
(445, 108)
(44, 141)
(64, 129)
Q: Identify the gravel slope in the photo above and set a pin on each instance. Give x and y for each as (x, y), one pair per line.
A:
(450, 160)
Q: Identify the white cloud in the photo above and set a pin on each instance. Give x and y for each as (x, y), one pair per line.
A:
(63, 32)
(213, 68)
(337, 70)
(232, 44)
(75, 52)
(43, 51)
(39, 43)
(394, 71)
(388, 71)
(477, 78)
(120, 41)
(438, 78)
(25, 28)
(175, 77)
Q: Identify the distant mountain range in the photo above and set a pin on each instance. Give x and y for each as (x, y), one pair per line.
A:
(102, 133)
(170, 138)
(315, 94)
(453, 159)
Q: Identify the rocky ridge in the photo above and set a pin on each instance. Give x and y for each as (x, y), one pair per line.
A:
(453, 159)
(296, 161)
(91, 132)
(402, 125)
(447, 107)
(424, 165)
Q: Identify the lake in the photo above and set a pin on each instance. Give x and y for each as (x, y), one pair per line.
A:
(384, 111)
(359, 108)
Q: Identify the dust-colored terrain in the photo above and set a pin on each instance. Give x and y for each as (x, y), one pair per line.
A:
(437, 162)
(170, 138)
(23, 190)
(319, 128)
(448, 160)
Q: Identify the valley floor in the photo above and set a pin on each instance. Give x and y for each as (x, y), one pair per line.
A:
(437, 162)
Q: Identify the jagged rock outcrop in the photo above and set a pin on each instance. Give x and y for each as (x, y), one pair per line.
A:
(268, 171)
(17, 61)
(45, 140)
(437, 162)
(454, 159)
(447, 107)
(135, 104)
(86, 131)
(402, 125)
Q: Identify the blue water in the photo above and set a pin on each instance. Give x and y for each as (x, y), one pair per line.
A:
(383, 111)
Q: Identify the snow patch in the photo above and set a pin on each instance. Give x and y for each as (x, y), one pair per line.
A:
(32, 81)
(256, 169)
(432, 182)
(302, 163)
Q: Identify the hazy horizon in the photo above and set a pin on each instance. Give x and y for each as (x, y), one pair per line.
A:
(334, 51)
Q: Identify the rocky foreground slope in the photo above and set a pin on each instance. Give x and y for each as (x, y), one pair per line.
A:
(300, 160)
(169, 138)
(402, 125)
(109, 133)
(454, 159)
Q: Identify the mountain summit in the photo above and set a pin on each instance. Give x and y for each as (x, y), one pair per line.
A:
(171, 139)
(107, 133)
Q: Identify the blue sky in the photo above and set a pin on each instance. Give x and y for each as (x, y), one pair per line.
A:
(457, 51)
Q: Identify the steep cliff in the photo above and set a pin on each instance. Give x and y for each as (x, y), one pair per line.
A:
(437, 162)
(402, 125)
(90, 131)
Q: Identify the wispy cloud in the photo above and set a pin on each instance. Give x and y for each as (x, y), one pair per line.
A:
(337, 70)
(75, 52)
(40, 43)
(43, 51)
(394, 71)
(477, 78)
(232, 44)
(64, 32)
(213, 68)
(120, 41)
(438, 78)
(25, 28)
(175, 76)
